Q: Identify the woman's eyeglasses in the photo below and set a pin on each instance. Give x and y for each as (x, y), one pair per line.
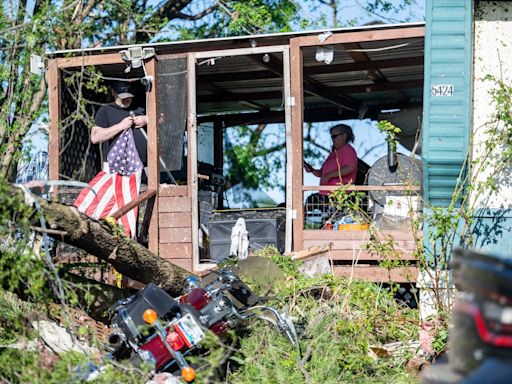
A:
(336, 135)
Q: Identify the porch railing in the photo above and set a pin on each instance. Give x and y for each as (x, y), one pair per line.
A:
(349, 253)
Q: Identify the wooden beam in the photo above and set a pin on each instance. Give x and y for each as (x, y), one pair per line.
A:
(265, 95)
(218, 153)
(310, 115)
(289, 150)
(218, 148)
(153, 153)
(220, 93)
(377, 274)
(240, 51)
(333, 188)
(192, 157)
(166, 190)
(268, 117)
(366, 88)
(365, 65)
(361, 36)
(363, 256)
(297, 102)
(312, 251)
(236, 76)
(134, 203)
(54, 108)
(354, 50)
(83, 61)
(314, 88)
(326, 92)
(359, 235)
(274, 65)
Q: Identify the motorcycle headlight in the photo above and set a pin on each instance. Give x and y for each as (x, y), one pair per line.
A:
(190, 283)
(147, 357)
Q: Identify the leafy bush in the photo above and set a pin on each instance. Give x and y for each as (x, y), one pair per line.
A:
(338, 320)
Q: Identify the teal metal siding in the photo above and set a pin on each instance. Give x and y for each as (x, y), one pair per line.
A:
(446, 120)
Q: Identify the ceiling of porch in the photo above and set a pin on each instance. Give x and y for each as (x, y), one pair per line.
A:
(362, 80)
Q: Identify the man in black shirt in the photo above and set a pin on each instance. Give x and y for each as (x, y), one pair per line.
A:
(114, 118)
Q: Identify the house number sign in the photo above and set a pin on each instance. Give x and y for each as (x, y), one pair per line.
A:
(442, 90)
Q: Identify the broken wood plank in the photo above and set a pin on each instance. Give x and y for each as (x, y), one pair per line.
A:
(311, 252)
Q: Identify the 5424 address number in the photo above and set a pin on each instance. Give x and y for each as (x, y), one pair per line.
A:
(442, 90)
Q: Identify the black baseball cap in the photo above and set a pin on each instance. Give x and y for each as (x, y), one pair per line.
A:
(122, 89)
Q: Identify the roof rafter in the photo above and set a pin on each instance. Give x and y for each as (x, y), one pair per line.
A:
(311, 86)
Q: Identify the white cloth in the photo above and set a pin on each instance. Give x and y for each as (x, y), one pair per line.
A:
(239, 240)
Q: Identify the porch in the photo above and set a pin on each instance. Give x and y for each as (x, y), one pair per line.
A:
(273, 79)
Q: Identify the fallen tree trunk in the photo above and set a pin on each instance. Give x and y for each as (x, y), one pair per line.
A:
(97, 238)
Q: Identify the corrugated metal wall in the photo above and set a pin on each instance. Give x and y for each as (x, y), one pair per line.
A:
(447, 96)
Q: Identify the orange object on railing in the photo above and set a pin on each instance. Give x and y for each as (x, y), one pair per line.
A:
(353, 227)
(328, 225)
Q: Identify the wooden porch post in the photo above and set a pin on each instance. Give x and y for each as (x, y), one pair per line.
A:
(289, 149)
(192, 157)
(53, 79)
(297, 119)
(153, 154)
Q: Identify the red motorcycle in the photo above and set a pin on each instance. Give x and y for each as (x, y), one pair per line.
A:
(161, 331)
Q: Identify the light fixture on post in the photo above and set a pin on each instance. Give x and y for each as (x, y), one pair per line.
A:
(324, 54)
(135, 56)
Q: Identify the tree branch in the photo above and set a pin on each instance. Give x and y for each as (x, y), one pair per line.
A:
(256, 134)
(199, 15)
(266, 151)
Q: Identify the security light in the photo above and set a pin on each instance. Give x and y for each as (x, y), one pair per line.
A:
(324, 54)
(135, 56)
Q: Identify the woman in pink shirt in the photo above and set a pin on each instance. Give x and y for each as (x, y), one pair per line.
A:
(340, 167)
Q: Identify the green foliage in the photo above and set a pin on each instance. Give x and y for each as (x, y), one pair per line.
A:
(350, 202)
(40, 367)
(392, 132)
(387, 6)
(338, 322)
(336, 333)
(440, 340)
(252, 156)
(13, 315)
(20, 269)
(257, 16)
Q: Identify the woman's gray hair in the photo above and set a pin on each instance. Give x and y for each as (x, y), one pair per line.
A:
(343, 128)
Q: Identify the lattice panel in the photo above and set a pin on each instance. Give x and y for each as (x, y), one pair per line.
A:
(80, 159)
